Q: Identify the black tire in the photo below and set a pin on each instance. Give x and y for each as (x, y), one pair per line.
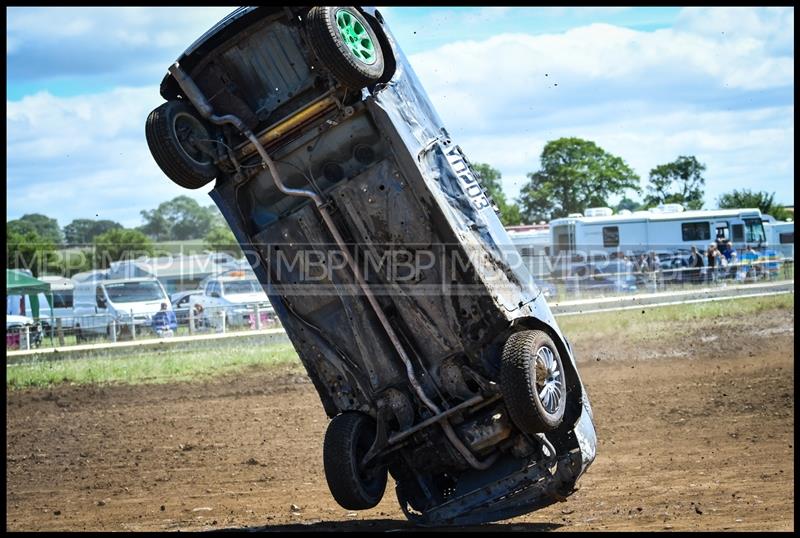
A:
(334, 50)
(347, 440)
(178, 140)
(523, 376)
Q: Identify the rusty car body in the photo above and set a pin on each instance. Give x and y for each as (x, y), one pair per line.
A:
(433, 352)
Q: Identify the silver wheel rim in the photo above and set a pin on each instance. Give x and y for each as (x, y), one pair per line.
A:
(549, 380)
(191, 136)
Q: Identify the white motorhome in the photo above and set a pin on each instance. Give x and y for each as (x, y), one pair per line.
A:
(534, 245)
(667, 227)
(780, 235)
(127, 304)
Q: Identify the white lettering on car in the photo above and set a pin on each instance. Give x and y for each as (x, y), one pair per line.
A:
(467, 179)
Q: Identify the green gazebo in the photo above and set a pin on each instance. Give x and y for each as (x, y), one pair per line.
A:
(18, 283)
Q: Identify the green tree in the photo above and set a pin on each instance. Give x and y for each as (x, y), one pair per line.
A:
(630, 205)
(686, 175)
(490, 178)
(761, 199)
(216, 216)
(45, 227)
(120, 244)
(177, 219)
(74, 261)
(156, 225)
(29, 250)
(83, 231)
(575, 174)
(221, 239)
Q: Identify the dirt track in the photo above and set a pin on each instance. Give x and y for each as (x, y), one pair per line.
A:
(692, 436)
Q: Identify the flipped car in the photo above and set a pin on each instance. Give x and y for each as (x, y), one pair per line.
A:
(435, 356)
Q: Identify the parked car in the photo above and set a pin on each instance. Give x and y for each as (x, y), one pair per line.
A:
(15, 331)
(611, 277)
(121, 305)
(549, 290)
(182, 304)
(235, 295)
(333, 170)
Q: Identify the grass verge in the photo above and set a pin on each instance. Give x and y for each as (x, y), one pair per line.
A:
(161, 366)
(172, 365)
(651, 322)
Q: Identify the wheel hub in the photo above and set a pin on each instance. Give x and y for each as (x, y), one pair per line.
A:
(356, 37)
(549, 379)
(192, 137)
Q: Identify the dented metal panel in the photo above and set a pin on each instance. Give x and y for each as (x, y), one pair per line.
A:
(437, 263)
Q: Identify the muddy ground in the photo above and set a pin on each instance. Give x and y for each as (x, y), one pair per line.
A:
(695, 432)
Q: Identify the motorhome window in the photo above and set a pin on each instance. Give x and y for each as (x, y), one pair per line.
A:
(241, 286)
(562, 239)
(754, 231)
(722, 231)
(696, 231)
(611, 236)
(786, 238)
(62, 299)
(738, 233)
(132, 292)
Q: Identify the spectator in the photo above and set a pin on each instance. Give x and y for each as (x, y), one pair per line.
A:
(164, 322)
(732, 257)
(749, 263)
(711, 262)
(721, 264)
(643, 268)
(725, 249)
(653, 260)
(628, 264)
(695, 265)
(198, 314)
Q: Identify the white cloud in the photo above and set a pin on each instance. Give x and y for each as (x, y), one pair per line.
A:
(646, 96)
(773, 26)
(78, 41)
(79, 156)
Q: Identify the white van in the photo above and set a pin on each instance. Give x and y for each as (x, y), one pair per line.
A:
(61, 290)
(127, 304)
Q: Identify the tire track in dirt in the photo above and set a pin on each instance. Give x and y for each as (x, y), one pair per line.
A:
(694, 434)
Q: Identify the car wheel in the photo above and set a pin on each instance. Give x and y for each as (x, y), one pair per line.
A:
(347, 440)
(346, 45)
(180, 144)
(532, 381)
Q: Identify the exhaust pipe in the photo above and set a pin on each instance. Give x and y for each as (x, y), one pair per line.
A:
(195, 95)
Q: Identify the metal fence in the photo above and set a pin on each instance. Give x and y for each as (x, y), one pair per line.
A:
(596, 281)
(105, 328)
(589, 280)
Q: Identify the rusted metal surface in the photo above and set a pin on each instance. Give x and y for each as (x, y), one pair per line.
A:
(333, 190)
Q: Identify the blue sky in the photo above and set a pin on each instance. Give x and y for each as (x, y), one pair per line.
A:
(647, 84)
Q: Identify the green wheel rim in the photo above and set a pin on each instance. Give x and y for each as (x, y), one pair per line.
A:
(356, 37)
